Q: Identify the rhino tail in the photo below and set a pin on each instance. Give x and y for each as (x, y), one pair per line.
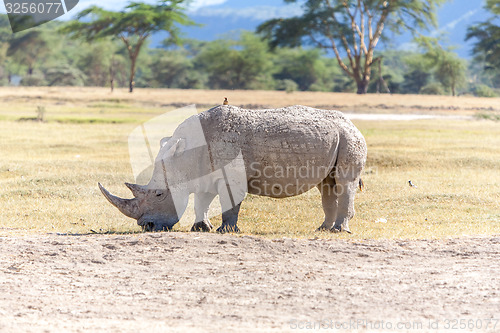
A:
(361, 185)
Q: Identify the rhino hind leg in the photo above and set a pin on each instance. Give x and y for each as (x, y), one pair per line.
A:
(229, 220)
(202, 203)
(347, 180)
(345, 210)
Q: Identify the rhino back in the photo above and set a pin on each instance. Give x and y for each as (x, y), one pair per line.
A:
(277, 144)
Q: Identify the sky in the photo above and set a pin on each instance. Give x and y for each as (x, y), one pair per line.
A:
(211, 6)
(222, 16)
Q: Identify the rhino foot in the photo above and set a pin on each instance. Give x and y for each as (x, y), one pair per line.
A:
(228, 228)
(151, 227)
(204, 226)
(337, 229)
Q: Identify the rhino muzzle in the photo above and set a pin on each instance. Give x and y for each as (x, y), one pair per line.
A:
(149, 225)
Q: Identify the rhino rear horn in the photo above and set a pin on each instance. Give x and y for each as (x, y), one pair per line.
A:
(137, 190)
(129, 207)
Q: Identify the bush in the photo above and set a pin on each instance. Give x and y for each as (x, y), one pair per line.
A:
(288, 85)
(488, 116)
(36, 79)
(432, 89)
(482, 90)
(65, 75)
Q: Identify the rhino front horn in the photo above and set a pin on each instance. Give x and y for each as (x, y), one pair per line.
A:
(129, 207)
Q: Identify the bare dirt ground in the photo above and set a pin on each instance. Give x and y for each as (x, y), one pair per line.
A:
(209, 282)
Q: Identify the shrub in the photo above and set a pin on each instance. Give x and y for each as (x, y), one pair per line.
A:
(36, 79)
(482, 90)
(288, 85)
(432, 89)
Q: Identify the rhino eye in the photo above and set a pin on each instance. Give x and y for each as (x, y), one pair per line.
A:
(159, 194)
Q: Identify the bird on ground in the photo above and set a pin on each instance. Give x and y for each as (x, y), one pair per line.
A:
(411, 184)
(226, 102)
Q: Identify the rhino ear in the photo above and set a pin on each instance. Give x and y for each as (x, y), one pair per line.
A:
(177, 148)
(164, 141)
(181, 147)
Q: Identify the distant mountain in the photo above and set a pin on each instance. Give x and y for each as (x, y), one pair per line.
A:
(234, 15)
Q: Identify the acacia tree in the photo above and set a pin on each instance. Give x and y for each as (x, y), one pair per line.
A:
(350, 27)
(450, 72)
(449, 68)
(133, 25)
(487, 36)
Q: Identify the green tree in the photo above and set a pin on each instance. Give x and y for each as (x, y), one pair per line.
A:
(242, 64)
(5, 62)
(133, 26)
(117, 73)
(102, 64)
(487, 36)
(433, 88)
(308, 68)
(29, 47)
(353, 27)
(418, 73)
(64, 75)
(5, 30)
(487, 44)
(391, 68)
(450, 72)
(175, 69)
(449, 68)
(96, 62)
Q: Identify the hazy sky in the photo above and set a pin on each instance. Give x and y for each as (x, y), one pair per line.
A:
(257, 9)
(252, 8)
(220, 16)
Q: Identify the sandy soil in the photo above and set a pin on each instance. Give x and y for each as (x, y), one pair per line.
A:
(209, 282)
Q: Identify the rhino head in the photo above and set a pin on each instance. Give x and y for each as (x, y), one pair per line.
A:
(154, 210)
(154, 206)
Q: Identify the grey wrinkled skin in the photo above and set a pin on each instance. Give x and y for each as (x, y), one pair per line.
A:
(286, 152)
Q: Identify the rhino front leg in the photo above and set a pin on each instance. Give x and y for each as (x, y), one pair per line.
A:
(230, 208)
(202, 203)
(229, 220)
(329, 202)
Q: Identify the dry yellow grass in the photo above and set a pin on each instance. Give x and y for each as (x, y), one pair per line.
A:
(98, 99)
(49, 171)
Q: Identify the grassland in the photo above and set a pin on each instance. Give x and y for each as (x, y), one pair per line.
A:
(49, 171)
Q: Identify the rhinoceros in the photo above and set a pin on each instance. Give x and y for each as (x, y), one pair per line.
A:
(230, 151)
